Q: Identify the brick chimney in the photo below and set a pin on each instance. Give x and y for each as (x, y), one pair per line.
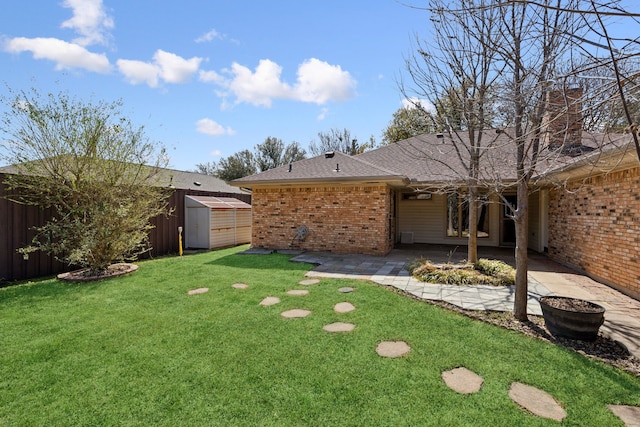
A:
(564, 119)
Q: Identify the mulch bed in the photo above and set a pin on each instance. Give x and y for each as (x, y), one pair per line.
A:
(84, 275)
(603, 349)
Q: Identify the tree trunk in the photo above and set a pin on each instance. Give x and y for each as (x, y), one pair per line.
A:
(522, 267)
(472, 251)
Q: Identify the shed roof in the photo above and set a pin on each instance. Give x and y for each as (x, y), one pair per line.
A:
(220, 202)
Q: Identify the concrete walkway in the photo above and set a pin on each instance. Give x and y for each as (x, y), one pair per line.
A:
(622, 316)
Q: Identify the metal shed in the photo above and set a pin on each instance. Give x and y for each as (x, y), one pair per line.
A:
(216, 222)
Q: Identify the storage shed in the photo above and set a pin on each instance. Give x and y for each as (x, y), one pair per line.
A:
(216, 222)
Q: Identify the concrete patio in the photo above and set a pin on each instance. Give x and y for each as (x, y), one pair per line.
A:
(622, 317)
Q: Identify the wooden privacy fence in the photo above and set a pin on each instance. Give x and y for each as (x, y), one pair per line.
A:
(16, 221)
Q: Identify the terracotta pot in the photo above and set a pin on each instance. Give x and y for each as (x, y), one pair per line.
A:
(572, 318)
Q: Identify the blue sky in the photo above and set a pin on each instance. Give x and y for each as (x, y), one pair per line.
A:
(208, 78)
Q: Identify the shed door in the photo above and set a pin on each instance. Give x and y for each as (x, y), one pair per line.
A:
(197, 233)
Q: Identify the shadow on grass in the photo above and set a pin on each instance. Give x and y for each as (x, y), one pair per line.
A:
(260, 262)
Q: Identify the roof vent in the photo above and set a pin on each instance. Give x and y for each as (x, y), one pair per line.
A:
(337, 169)
(439, 135)
(329, 154)
(290, 167)
(197, 183)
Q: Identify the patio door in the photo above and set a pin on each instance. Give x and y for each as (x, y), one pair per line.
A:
(507, 226)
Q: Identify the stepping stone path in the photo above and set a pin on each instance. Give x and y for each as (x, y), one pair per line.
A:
(346, 290)
(536, 401)
(240, 286)
(343, 307)
(270, 301)
(392, 349)
(630, 415)
(339, 327)
(298, 292)
(308, 282)
(295, 313)
(198, 291)
(462, 380)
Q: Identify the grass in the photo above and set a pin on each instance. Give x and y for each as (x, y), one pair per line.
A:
(483, 272)
(138, 351)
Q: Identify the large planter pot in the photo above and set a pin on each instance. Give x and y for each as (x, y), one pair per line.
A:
(571, 317)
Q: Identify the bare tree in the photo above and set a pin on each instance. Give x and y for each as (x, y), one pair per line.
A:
(337, 140)
(456, 73)
(502, 65)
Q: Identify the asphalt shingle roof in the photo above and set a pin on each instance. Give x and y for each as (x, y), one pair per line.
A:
(327, 167)
(429, 159)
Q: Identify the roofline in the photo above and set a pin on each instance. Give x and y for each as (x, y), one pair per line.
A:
(394, 180)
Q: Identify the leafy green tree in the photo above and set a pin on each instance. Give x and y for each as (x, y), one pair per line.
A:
(273, 153)
(97, 172)
(236, 166)
(207, 168)
(408, 122)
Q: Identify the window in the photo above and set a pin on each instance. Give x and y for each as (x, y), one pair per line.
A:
(458, 216)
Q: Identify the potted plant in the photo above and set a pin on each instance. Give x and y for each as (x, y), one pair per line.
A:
(571, 317)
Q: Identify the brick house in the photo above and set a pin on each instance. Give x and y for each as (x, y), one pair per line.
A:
(584, 207)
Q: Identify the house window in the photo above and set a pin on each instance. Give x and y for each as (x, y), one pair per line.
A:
(458, 216)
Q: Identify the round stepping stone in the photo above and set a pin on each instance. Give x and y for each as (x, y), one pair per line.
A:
(198, 291)
(308, 282)
(270, 301)
(392, 349)
(295, 313)
(339, 327)
(462, 380)
(298, 292)
(343, 307)
(630, 415)
(240, 286)
(346, 290)
(536, 401)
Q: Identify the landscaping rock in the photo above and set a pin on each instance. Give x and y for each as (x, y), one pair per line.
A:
(270, 301)
(198, 291)
(298, 292)
(392, 349)
(346, 290)
(295, 313)
(308, 282)
(630, 415)
(343, 307)
(339, 327)
(536, 401)
(240, 286)
(462, 380)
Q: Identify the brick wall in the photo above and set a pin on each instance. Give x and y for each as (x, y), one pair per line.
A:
(595, 226)
(342, 219)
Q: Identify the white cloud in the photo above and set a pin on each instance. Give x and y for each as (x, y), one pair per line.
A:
(216, 153)
(166, 66)
(410, 103)
(323, 114)
(317, 82)
(320, 82)
(211, 76)
(213, 128)
(175, 69)
(260, 87)
(89, 20)
(210, 35)
(66, 55)
(137, 72)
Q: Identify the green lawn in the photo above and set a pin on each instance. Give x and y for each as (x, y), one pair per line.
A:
(137, 350)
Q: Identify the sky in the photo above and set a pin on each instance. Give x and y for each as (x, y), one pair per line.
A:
(209, 78)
